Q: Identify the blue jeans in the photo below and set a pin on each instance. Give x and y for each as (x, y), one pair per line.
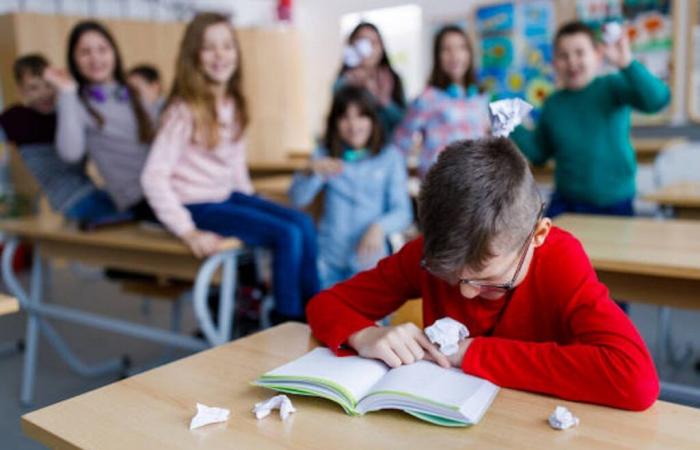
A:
(290, 234)
(94, 207)
(560, 205)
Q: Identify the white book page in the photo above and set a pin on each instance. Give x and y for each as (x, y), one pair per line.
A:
(450, 387)
(354, 373)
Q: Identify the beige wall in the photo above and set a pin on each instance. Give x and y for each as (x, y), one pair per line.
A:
(272, 72)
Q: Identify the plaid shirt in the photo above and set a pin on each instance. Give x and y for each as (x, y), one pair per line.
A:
(442, 119)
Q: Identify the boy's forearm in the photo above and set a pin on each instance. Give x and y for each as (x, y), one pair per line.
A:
(649, 93)
(617, 374)
(527, 142)
(332, 322)
(70, 139)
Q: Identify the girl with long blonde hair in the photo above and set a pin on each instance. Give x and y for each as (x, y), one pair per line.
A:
(196, 177)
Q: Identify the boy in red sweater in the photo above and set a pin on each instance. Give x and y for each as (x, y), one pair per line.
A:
(539, 319)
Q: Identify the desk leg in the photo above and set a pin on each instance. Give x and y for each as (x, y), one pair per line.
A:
(27, 301)
(666, 350)
(32, 305)
(227, 261)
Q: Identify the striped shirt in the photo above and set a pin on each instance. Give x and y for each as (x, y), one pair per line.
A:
(441, 119)
(114, 147)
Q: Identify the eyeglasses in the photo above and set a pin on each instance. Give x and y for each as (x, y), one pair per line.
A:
(504, 287)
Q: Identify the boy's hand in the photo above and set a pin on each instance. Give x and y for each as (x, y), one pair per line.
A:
(326, 166)
(456, 358)
(619, 53)
(59, 79)
(398, 345)
(202, 243)
(371, 244)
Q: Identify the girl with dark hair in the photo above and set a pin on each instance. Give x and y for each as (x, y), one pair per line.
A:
(451, 108)
(364, 186)
(99, 114)
(372, 70)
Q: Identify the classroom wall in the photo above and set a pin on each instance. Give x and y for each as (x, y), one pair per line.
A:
(319, 21)
(246, 12)
(273, 73)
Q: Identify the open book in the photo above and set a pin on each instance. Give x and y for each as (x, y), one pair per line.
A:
(447, 397)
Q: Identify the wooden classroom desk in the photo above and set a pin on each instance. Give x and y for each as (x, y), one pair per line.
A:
(684, 198)
(127, 247)
(153, 410)
(641, 259)
(8, 305)
(646, 150)
(274, 187)
(281, 167)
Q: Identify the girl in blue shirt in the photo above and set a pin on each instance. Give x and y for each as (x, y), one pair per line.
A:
(364, 186)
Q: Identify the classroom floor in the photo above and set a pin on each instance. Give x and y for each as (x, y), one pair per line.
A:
(81, 286)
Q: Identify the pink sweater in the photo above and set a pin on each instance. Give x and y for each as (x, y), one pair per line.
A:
(181, 171)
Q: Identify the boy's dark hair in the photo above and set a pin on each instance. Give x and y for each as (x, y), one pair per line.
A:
(33, 64)
(364, 100)
(571, 28)
(147, 72)
(478, 199)
(438, 77)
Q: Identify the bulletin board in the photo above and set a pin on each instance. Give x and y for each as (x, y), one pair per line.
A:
(514, 43)
(653, 29)
(693, 62)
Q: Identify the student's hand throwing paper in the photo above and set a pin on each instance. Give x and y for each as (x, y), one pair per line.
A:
(326, 167)
(619, 53)
(396, 346)
(371, 244)
(59, 79)
(202, 243)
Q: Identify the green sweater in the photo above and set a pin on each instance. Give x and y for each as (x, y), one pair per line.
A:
(587, 132)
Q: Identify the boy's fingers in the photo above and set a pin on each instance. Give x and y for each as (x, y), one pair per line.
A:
(402, 351)
(415, 349)
(389, 357)
(433, 351)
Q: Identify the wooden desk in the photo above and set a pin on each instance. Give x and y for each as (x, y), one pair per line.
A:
(274, 187)
(127, 247)
(8, 305)
(153, 410)
(684, 198)
(646, 150)
(282, 167)
(642, 260)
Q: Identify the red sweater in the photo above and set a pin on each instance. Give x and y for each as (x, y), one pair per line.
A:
(560, 332)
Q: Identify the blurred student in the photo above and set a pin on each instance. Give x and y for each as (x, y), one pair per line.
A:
(31, 127)
(451, 108)
(196, 176)
(145, 79)
(364, 188)
(100, 115)
(585, 125)
(370, 68)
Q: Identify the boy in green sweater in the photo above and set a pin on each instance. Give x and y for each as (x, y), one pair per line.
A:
(585, 125)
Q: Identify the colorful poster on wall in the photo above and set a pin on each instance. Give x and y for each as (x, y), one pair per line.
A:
(649, 25)
(694, 64)
(515, 45)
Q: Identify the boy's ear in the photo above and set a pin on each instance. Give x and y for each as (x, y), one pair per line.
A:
(542, 231)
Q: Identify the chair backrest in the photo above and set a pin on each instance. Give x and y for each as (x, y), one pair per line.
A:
(680, 163)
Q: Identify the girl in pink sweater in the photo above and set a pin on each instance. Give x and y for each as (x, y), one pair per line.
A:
(196, 178)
